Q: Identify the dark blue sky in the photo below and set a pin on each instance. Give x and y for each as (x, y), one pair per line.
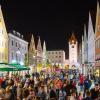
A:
(52, 20)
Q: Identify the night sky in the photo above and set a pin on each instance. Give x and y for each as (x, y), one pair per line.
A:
(52, 20)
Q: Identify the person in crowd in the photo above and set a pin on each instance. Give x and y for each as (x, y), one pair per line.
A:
(32, 95)
(95, 92)
(25, 94)
(87, 85)
(43, 93)
(52, 93)
(73, 95)
(8, 93)
(81, 79)
(80, 97)
(2, 94)
(88, 95)
(19, 91)
(4, 83)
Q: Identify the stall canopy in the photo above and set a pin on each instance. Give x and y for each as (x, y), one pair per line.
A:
(19, 67)
(7, 67)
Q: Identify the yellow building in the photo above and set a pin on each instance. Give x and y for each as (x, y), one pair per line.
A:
(3, 40)
(97, 42)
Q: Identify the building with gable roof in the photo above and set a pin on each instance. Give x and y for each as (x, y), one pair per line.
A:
(3, 40)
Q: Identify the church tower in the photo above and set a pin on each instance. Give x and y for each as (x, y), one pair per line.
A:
(72, 51)
(3, 40)
(44, 54)
(32, 51)
(39, 52)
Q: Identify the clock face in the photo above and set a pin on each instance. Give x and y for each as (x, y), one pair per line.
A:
(72, 41)
(72, 46)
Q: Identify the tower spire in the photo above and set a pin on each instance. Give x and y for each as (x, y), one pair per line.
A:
(39, 47)
(32, 51)
(85, 44)
(32, 45)
(73, 39)
(44, 46)
(91, 41)
(44, 54)
(90, 27)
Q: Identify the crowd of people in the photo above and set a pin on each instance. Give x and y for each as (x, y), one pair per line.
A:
(49, 87)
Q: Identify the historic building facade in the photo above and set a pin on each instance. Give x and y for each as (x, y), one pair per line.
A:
(91, 44)
(97, 42)
(3, 40)
(56, 57)
(18, 47)
(39, 53)
(73, 49)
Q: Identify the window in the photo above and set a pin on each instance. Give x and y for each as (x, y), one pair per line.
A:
(12, 42)
(98, 28)
(56, 52)
(2, 43)
(22, 47)
(16, 44)
(25, 47)
(52, 52)
(59, 52)
(2, 56)
(2, 31)
(99, 43)
(96, 44)
(56, 56)
(16, 58)
(59, 61)
(5, 44)
(5, 56)
(12, 55)
(59, 56)
(19, 46)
